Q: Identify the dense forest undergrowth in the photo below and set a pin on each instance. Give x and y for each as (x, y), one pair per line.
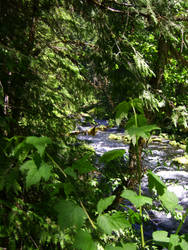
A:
(65, 62)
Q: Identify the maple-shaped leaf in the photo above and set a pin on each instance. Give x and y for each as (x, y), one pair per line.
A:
(34, 174)
(69, 214)
(109, 223)
(122, 110)
(39, 143)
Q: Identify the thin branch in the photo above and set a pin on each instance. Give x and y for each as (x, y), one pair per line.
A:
(85, 211)
(108, 8)
(177, 55)
(35, 244)
(57, 165)
(183, 18)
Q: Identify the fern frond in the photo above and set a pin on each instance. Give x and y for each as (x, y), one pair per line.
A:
(142, 65)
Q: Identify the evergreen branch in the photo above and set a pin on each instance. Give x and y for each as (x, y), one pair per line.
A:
(182, 18)
(177, 55)
(108, 8)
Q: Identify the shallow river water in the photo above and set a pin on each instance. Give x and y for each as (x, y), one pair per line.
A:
(160, 161)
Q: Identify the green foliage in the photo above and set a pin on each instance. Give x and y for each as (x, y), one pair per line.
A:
(161, 236)
(170, 201)
(39, 143)
(58, 57)
(84, 241)
(111, 155)
(69, 214)
(83, 165)
(109, 223)
(174, 241)
(135, 199)
(122, 111)
(35, 172)
(143, 132)
(180, 116)
(155, 182)
(104, 203)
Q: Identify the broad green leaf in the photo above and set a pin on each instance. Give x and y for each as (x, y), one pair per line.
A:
(69, 214)
(45, 171)
(135, 199)
(28, 165)
(69, 171)
(143, 131)
(111, 155)
(174, 241)
(21, 150)
(37, 159)
(83, 165)
(160, 236)
(39, 143)
(170, 201)
(68, 188)
(34, 174)
(122, 110)
(134, 217)
(33, 177)
(155, 182)
(130, 246)
(138, 105)
(109, 223)
(184, 245)
(141, 120)
(113, 248)
(84, 241)
(104, 203)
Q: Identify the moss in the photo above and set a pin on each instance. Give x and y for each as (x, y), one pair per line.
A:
(182, 160)
(174, 143)
(122, 138)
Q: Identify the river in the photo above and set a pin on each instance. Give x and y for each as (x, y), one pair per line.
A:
(159, 159)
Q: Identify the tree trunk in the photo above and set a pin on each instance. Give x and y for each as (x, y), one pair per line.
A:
(160, 63)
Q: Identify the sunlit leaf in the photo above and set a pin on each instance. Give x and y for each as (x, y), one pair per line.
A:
(39, 143)
(109, 223)
(70, 171)
(184, 245)
(135, 199)
(141, 120)
(155, 182)
(69, 214)
(45, 170)
(113, 248)
(138, 105)
(111, 155)
(174, 241)
(170, 201)
(160, 236)
(143, 131)
(130, 246)
(83, 165)
(122, 110)
(84, 241)
(34, 174)
(104, 203)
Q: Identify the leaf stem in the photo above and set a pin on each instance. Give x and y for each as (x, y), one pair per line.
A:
(181, 223)
(139, 173)
(85, 211)
(57, 165)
